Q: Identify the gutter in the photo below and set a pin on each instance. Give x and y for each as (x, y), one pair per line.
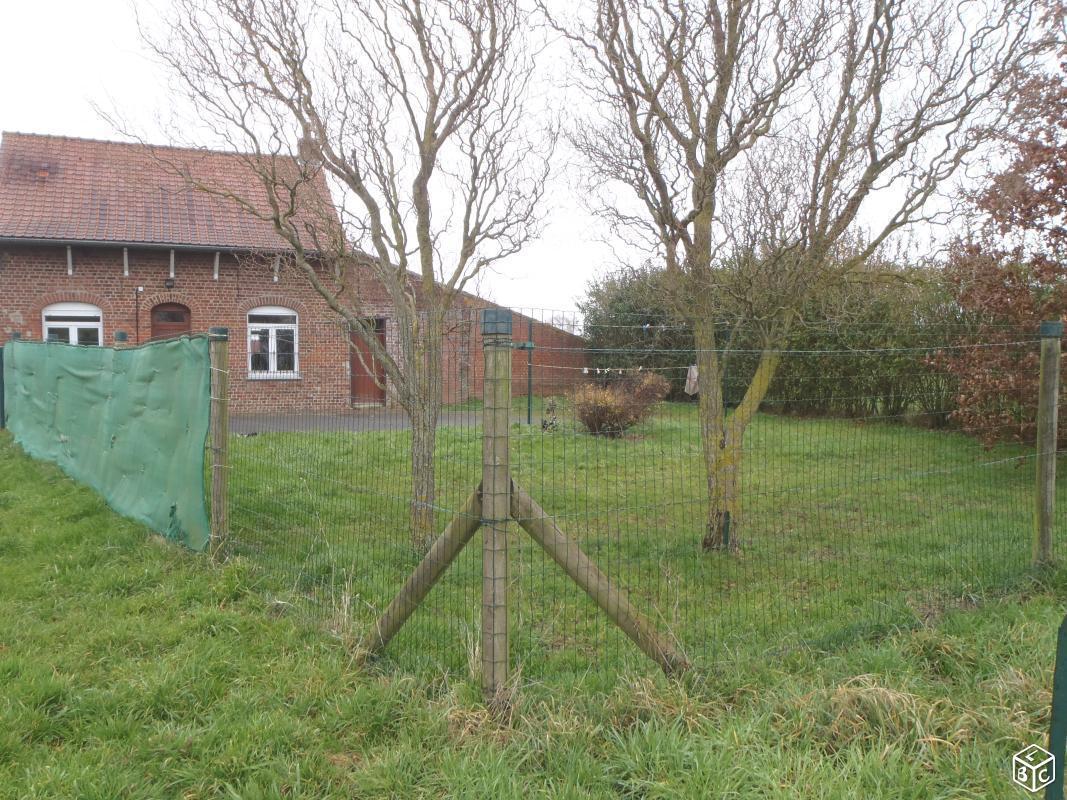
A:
(203, 248)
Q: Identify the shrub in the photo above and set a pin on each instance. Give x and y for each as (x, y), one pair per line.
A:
(648, 389)
(611, 410)
(875, 359)
(998, 383)
(1010, 273)
(629, 323)
(603, 410)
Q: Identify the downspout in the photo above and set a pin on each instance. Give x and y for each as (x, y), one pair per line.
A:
(137, 315)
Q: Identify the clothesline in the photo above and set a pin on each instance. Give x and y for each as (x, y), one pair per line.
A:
(857, 351)
(608, 370)
(691, 378)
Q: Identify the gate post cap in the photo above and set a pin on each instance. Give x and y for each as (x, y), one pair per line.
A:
(496, 321)
(1051, 329)
(219, 334)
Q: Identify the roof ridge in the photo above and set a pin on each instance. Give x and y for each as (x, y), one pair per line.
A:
(138, 144)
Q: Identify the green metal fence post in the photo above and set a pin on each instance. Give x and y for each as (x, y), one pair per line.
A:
(1057, 731)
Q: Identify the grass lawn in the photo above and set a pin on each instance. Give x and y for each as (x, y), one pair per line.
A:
(130, 668)
(849, 528)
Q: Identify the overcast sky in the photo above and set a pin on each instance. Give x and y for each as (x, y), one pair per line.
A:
(61, 59)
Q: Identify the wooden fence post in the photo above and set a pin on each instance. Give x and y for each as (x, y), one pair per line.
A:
(3, 388)
(220, 432)
(496, 498)
(15, 336)
(1047, 413)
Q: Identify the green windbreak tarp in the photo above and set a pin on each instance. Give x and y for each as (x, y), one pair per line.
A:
(130, 423)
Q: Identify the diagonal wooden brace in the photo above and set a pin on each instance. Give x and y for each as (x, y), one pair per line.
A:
(597, 585)
(564, 551)
(443, 552)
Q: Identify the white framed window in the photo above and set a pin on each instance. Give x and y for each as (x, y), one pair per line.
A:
(73, 323)
(273, 343)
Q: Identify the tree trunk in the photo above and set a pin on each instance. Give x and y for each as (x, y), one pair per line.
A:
(724, 496)
(423, 496)
(722, 436)
(712, 416)
(423, 411)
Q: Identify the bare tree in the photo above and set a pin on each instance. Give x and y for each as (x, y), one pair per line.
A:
(416, 112)
(772, 146)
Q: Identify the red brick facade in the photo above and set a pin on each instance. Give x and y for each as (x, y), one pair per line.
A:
(35, 276)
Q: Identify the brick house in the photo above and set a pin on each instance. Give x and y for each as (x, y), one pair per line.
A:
(98, 237)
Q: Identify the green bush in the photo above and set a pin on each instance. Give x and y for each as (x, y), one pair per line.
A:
(864, 350)
(876, 359)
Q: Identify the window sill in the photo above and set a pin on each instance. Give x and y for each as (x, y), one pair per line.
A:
(274, 376)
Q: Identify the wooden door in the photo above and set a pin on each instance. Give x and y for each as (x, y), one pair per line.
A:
(368, 375)
(169, 320)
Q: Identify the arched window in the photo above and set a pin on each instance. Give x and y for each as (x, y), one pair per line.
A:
(74, 323)
(273, 343)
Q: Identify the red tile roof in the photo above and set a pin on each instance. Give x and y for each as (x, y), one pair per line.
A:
(83, 190)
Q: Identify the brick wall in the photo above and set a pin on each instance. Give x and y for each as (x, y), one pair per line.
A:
(32, 277)
(558, 356)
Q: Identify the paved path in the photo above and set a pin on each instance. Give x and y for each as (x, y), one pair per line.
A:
(354, 421)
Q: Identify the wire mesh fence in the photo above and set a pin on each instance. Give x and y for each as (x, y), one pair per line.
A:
(854, 501)
(323, 496)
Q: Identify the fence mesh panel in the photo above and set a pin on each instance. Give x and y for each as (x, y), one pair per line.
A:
(859, 502)
(321, 497)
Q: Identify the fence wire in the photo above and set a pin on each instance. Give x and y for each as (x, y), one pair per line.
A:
(860, 503)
